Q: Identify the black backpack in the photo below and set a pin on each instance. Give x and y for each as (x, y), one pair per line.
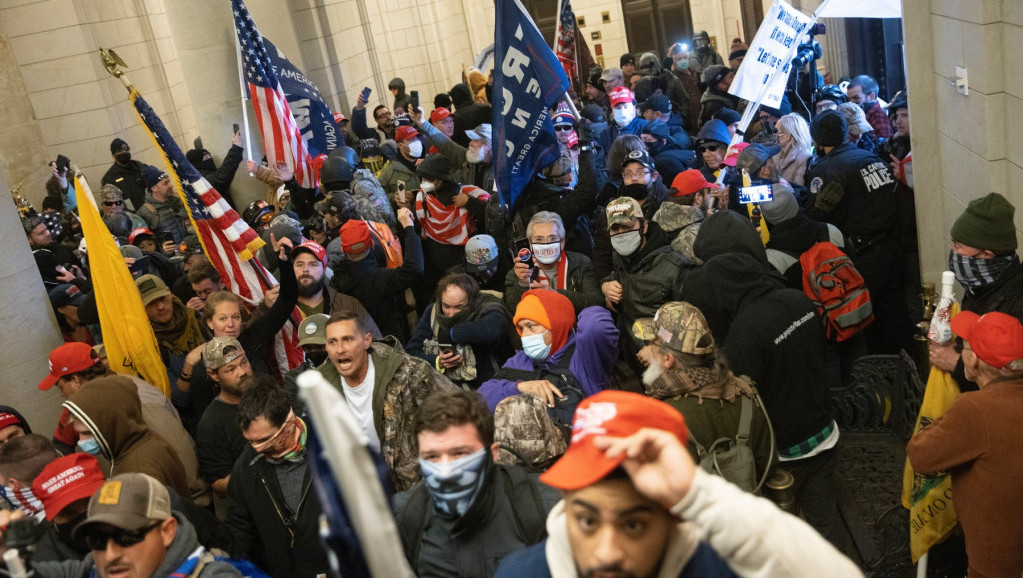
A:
(562, 378)
(523, 495)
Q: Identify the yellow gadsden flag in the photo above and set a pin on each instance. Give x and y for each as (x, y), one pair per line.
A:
(929, 498)
(131, 346)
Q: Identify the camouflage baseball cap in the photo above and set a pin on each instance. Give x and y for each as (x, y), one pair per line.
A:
(220, 351)
(680, 326)
(623, 209)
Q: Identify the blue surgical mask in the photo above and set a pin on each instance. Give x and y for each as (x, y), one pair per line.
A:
(534, 347)
(89, 446)
(453, 485)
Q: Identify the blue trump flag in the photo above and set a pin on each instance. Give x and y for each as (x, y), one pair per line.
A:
(311, 114)
(528, 80)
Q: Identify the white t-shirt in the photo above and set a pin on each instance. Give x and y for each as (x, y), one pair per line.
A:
(360, 399)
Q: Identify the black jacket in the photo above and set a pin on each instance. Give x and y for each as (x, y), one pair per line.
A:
(284, 543)
(650, 277)
(472, 545)
(1004, 295)
(866, 207)
(380, 290)
(773, 335)
(129, 180)
(468, 114)
(582, 288)
(221, 178)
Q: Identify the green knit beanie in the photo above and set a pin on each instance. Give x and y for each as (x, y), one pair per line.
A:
(987, 224)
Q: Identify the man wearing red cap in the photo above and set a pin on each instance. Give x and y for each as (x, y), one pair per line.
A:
(552, 338)
(691, 188)
(979, 440)
(634, 504)
(380, 290)
(625, 118)
(64, 486)
(403, 168)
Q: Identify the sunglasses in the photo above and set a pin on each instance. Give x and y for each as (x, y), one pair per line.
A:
(113, 203)
(562, 127)
(265, 218)
(711, 148)
(98, 538)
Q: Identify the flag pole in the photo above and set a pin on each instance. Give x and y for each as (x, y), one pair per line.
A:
(557, 29)
(245, 109)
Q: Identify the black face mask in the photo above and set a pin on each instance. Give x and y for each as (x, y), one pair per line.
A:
(655, 148)
(316, 357)
(65, 531)
(123, 158)
(636, 191)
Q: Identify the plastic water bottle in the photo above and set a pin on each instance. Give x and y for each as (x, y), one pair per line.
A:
(940, 330)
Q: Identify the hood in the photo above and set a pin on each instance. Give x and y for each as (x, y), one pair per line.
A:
(185, 542)
(715, 94)
(110, 408)
(397, 83)
(461, 95)
(715, 130)
(728, 232)
(724, 284)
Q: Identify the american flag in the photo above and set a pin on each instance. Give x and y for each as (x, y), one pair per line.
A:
(229, 242)
(565, 35)
(281, 137)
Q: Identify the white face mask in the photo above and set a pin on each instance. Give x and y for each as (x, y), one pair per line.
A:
(624, 115)
(427, 187)
(626, 244)
(547, 253)
(415, 149)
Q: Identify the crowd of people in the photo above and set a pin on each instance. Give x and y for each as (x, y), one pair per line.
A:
(634, 310)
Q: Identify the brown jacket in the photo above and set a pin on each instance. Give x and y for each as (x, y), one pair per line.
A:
(110, 408)
(979, 439)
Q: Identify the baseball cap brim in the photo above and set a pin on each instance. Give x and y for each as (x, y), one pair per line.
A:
(644, 329)
(124, 521)
(48, 382)
(582, 465)
(79, 491)
(154, 295)
(473, 135)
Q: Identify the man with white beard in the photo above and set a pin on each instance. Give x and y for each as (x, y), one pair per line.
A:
(686, 370)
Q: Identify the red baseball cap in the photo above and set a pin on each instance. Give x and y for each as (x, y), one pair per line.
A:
(339, 117)
(8, 419)
(733, 153)
(355, 237)
(405, 133)
(67, 359)
(573, 140)
(608, 413)
(314, 248)
(621, 94)
(996, 338)
(689, 182)
(439, 114)
(140, 232)
(65, 480)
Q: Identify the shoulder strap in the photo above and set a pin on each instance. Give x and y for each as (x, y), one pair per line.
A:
(530, 517)
(745, 420)
(152, 210)
(413, 521)
(770, 430)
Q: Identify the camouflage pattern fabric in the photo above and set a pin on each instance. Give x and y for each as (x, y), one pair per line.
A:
(526, 433)
(366, 186)
(683, 221)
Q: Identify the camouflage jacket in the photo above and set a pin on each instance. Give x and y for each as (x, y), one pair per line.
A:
(402, 383)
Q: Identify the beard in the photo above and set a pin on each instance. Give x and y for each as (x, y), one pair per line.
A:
(307, 287)
(652, 373)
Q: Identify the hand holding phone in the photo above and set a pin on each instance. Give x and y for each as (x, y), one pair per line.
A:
(415, 100)
(757, 194)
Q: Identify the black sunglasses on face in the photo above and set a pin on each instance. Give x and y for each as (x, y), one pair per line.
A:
(563, 127)
(97, 538)
(113, 203)
(704, 148)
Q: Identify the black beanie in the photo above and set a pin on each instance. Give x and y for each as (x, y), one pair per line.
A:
(435, 167)
(829, 128)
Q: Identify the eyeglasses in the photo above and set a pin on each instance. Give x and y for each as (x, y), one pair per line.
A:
(113, 203)
(712, 148)
(562, 127)
(545, 240)
(97, 538)
(635, 175)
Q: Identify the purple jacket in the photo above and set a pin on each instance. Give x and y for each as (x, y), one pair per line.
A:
(596, 350)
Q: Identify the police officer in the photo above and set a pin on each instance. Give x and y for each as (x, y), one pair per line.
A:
(854, 190)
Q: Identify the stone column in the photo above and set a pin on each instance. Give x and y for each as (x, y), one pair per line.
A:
(29, 328)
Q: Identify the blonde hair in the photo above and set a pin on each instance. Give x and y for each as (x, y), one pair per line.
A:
(796, 126)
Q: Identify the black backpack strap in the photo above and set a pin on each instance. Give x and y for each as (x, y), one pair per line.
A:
(413, 521)
(530, 516)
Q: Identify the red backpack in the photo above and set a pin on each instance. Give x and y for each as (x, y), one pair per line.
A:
(837, 289)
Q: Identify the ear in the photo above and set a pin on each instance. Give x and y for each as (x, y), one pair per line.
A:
(168, 529)
(15, 485)
(495, 451)
(764, 172)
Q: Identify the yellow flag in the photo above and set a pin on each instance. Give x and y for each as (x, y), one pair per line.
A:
(130, 343)
(929, 498)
